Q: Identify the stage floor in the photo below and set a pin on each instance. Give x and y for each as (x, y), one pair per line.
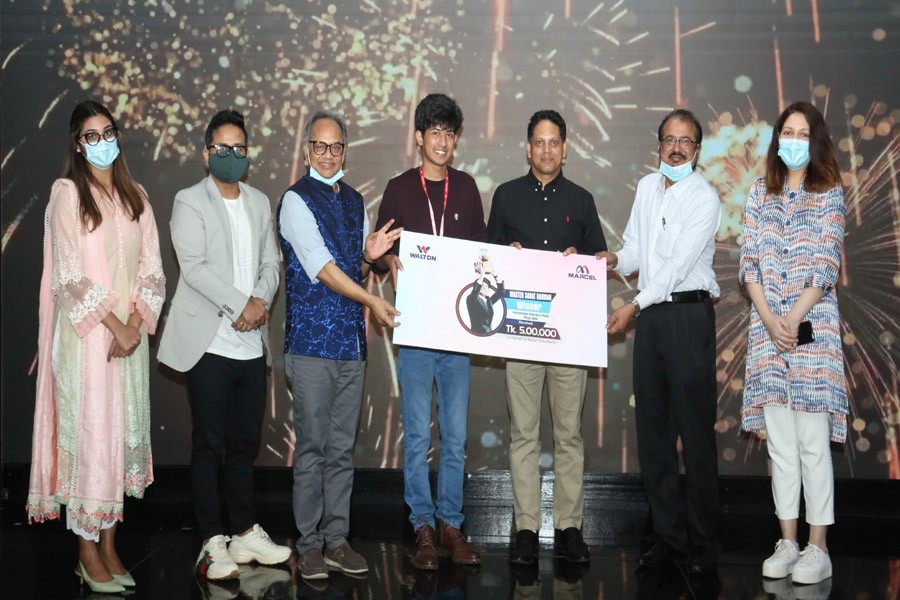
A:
(38, 562)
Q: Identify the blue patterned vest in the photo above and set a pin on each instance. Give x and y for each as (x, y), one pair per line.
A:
(320, 322)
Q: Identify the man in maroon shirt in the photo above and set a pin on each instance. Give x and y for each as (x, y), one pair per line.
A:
(440, 200)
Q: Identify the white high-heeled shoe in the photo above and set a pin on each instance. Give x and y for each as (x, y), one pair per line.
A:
(103, 587)
(125, 579)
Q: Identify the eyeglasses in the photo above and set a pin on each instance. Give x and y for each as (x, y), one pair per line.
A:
(686, 142)
(222, 150)
(92, 138)
(336, 149)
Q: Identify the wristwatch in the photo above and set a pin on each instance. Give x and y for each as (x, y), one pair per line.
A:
(637, 308)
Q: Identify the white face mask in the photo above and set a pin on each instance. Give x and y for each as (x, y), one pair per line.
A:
(102, 154)
(793, 153)
(676, 174)
(328, 181)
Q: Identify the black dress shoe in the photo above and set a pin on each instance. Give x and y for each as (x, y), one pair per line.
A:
(660, 555)
(569, 544)
(524, 550)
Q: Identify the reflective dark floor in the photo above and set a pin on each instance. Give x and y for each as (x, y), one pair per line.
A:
(37, 562)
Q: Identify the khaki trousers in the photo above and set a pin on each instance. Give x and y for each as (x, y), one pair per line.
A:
(525, 387)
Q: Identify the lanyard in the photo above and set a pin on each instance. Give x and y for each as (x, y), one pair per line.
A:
(428, 201)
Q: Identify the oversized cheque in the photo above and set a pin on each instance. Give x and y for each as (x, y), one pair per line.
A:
(494, 300)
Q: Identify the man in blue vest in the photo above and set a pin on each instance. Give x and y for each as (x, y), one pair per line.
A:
(323, 225)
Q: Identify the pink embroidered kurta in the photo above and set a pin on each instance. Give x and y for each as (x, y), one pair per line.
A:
(91, 440)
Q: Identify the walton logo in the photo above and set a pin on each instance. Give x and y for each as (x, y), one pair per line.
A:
(422, 253)
(582, 272)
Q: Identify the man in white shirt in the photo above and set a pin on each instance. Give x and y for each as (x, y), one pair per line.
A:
(670, 240)
(216, 335)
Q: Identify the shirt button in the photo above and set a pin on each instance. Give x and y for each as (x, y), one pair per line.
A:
(784, 301)
(788, 222)
(784, 274)
(545, 242)
(785, 251)
(545, 198)
(545, 219)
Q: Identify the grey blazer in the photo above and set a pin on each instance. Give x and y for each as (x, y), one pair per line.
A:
(201, 235)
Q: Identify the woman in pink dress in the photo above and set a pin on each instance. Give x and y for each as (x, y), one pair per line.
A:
(102, 289)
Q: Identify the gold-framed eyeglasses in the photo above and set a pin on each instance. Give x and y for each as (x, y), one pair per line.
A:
(686, 142)
(319, 147)
(222, 150)
(92, 138)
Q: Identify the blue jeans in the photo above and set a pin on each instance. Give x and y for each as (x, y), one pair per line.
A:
(418, 369)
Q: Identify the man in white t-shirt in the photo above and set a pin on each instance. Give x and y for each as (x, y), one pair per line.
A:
(216, 334)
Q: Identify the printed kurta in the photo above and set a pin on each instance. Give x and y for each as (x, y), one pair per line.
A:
(91, 441)
(792, 241)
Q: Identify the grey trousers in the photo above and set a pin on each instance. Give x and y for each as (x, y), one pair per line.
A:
(327, 399)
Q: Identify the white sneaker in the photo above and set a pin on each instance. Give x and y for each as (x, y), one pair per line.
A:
(257, 545)
(782, 561)
(214, 561)
(814, 565)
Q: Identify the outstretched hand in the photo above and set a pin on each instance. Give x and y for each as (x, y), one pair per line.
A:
(379, 242)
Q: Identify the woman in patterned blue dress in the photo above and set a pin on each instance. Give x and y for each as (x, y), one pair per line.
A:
(795, 390)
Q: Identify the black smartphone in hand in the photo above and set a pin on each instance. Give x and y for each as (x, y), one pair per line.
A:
(805, 333)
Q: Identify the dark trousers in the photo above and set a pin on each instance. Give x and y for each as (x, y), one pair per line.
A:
(227, 401)
(675, 395)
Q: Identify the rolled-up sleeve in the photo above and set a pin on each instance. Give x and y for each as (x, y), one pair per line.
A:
(749, 271)
(299, 227)
(827, 260)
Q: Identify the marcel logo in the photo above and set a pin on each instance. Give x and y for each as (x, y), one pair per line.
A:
(582, 272)
(422, 253)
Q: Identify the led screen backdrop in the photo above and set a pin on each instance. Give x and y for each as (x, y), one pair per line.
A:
(613, 69)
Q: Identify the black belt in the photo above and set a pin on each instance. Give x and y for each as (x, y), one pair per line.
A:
(690, 296)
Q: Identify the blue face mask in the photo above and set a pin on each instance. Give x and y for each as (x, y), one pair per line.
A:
(330, 180)
(794, 153)
(676, 174)
(103, 154)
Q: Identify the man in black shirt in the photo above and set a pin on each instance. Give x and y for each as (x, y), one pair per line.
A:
(545, 211)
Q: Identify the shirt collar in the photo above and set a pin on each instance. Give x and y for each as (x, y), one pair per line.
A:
(536, 183)
(679, 187)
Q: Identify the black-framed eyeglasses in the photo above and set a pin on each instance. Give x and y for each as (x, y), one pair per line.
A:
(223, 150)
(319, 147)
(92, 138)
(686, 142)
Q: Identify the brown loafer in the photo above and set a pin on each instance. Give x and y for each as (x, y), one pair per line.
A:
(454, 543)
(426, 556)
